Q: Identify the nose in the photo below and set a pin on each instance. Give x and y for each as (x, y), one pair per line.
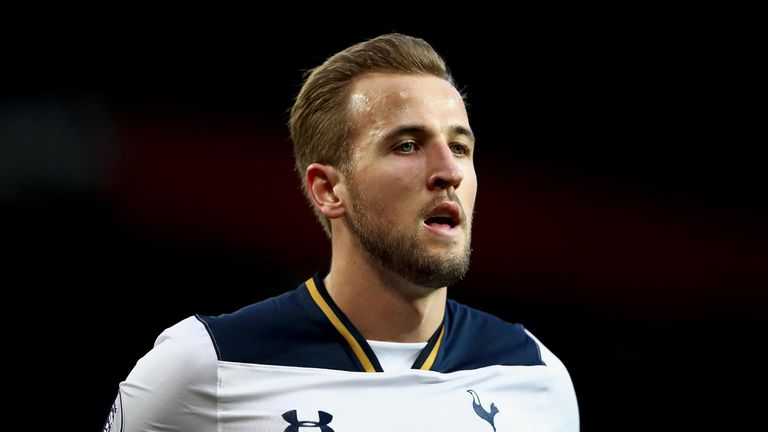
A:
(445, 170)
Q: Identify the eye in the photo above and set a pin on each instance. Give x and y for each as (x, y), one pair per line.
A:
(459, 149)
(406, 147)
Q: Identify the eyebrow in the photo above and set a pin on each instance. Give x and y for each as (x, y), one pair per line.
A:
(417, 129)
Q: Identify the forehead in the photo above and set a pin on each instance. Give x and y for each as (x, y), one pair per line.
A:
(379, 100)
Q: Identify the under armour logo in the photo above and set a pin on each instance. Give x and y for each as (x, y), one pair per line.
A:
(481, 412)
(325, 418)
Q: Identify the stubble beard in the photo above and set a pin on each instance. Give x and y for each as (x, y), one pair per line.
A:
(400, 251)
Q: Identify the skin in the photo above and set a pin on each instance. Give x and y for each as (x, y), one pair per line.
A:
(412, 149)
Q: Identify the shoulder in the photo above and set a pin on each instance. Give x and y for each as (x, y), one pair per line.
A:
(185, 344)
(257, 322)
(176, 377)
(549, 358)
(476, 320)
(477, 339)
(279, 331)
(560, 382)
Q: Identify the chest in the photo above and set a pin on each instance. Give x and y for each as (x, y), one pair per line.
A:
(289, 399)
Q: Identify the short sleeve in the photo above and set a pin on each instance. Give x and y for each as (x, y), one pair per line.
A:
(173, 387)
(561, 387)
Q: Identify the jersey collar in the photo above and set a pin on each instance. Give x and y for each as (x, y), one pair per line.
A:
(362, 352)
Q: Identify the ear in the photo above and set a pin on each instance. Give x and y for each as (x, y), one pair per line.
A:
(324, 182)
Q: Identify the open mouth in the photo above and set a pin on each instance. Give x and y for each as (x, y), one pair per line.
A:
(446, 215)
(441, 221)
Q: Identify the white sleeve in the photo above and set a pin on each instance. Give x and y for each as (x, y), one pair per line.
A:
(562, 390)
(173, 387)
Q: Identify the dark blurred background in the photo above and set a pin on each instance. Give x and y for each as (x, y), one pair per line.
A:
(146, 175)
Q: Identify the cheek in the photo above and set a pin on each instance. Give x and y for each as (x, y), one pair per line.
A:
(397, 192)
(401, 178)
(398, 188)
(386, 186)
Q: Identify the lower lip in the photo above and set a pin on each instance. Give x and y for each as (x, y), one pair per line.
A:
(444, 230)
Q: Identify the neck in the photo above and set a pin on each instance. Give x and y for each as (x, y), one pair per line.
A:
(381, 304)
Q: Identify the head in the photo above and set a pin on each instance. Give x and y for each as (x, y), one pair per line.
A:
(320, 124)
(384, 125)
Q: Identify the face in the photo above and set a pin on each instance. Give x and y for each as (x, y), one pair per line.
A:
(412, 181)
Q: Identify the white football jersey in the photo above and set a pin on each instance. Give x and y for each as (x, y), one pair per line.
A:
(295, 363)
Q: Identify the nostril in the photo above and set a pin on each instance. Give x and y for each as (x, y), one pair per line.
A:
(446, 179)
(441, 183)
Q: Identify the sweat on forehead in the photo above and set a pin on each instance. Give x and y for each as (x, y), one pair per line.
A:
(387, 94)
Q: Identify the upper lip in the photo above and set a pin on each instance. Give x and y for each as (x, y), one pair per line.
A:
(447, 209)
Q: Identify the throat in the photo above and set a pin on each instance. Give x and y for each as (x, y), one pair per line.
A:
(383, 312)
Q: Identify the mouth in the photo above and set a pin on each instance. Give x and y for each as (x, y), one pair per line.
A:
(445, 216)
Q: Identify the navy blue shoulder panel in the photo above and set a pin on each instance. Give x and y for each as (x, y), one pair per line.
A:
(287, 330)
(475, 339)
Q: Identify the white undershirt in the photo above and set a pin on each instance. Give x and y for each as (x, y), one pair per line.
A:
(396, 356)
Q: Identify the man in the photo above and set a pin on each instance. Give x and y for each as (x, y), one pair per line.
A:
(384, 149)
